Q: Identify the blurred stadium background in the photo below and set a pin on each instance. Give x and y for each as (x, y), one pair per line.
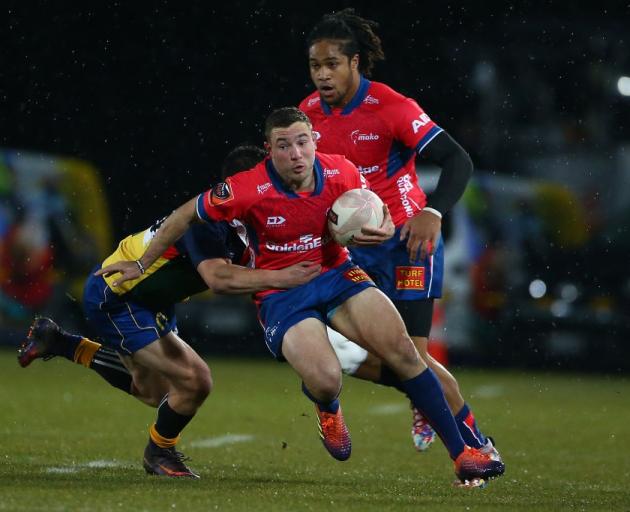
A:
(112, 115)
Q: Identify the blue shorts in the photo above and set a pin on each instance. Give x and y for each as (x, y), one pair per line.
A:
(318, 298)
(400, 279)
(125, 326)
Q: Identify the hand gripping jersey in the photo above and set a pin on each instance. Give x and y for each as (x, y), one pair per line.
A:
(380, 131)
(173, 277)
(284, 227)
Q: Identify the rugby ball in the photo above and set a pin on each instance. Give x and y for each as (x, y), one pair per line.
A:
(352, 210)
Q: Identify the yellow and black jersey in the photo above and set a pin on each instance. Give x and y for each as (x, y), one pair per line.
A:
(173, 276)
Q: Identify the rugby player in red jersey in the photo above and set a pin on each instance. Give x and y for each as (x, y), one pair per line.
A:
(381, 132)
(142, 353)
(283, 203)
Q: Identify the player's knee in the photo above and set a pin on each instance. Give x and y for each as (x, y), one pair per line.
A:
(201, 384)
(327, 384)
(194, 382)
(403, 353)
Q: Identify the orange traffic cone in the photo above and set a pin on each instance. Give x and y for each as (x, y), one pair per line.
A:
(437, 343)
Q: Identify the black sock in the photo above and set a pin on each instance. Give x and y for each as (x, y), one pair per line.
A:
(108, 365)
(169, 423)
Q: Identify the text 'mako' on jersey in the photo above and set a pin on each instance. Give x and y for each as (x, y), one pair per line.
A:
(380, 131)
(284, 227)
(173, 277)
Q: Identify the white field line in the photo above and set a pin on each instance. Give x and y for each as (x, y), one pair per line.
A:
(75, 468)
(216, 442)
(488, 391)
(387, 409)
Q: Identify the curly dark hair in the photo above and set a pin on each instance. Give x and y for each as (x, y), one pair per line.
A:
(355, 34)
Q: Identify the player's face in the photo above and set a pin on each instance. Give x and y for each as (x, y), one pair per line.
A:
(292, 151)
(334, 74)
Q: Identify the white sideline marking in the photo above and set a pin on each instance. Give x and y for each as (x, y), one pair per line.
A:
(387, 409)
(75, 468)
(488, 391)
(215, 442)
(102, 464)
(66, 469)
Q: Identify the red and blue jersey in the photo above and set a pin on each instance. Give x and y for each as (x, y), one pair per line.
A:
(380, 131)
(284, 227)
(173, 277)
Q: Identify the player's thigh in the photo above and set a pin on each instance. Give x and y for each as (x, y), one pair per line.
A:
(307, 349)
(370, 319)
(173, 358)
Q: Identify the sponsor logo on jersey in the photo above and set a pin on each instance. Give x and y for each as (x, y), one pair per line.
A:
(316, 135)
(371, 100)
(331, 172)
(276, 220)
(356, 136)
(312, 101)
(368, 170)
(261, 189)
(221, 193)
(410, 278)
(304, 243)
(356, 275)
(423, 120)
(405, 185)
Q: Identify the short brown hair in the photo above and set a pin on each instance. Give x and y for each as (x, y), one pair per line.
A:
(283, 118)
(241, 158)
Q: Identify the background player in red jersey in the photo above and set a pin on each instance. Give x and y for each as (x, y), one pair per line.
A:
(284, 202)
(381, 132)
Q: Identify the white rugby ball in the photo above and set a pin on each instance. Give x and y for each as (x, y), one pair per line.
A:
(351, 211)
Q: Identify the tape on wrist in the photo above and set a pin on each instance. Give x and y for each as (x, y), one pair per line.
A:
(432, 210)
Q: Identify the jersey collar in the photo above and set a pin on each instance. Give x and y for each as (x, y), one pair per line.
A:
(281, 187)
(356, 100)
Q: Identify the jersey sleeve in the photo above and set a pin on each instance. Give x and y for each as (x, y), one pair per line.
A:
(206, 241)
(221, 202)
(412, 126)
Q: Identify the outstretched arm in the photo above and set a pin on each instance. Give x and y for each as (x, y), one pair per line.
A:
(423, 230)
(223, 277)
(170, 231)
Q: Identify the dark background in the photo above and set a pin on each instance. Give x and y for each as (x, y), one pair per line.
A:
(156, 93)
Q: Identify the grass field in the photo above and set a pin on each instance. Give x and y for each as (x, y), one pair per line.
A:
(70, 442)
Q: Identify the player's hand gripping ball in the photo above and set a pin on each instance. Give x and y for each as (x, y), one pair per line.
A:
(351, 211)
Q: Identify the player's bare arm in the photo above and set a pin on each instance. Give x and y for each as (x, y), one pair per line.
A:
(170, 231)
(423, 230)
(376, 236)
(223, 277)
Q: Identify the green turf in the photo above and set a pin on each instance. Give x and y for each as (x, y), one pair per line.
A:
(565, 440)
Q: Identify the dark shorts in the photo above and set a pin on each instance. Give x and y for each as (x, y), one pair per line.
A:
(398, 277)
(411, 285)
(318, 298)
(417, 315)
(125, 326)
